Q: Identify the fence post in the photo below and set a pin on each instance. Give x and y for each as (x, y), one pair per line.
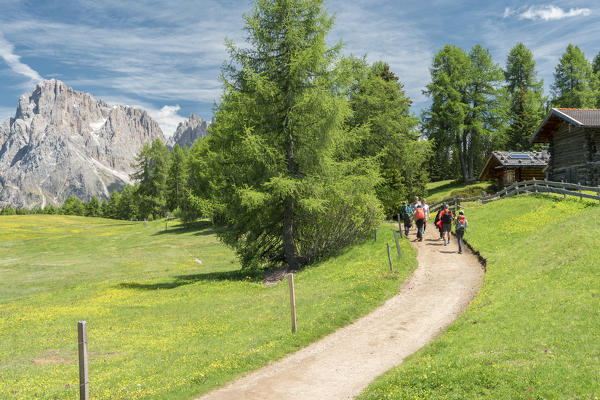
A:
(84, 390)
(375, 234)
(390, 258)
(580, 196)
(517, 187)
(397, 244)
(399, 227)
(292, 301)
(535, 185)
(563, 188)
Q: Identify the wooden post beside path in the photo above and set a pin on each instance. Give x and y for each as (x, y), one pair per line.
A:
(400, 227)
(397, 244)
(84, 390)
(390, 258)
(292, 301)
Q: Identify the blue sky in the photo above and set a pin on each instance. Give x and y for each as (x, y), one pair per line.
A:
(166, 56)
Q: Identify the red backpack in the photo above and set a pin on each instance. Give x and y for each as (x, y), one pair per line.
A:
(419, 214)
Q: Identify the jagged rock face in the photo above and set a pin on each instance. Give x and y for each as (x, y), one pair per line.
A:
(188, 132)
(65, 143)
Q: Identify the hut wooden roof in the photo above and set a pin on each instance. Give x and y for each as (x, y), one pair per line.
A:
(580, 117)
(513, 159)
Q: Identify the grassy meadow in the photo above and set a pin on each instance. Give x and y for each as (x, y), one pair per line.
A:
(438, 191)
(169, 314)
(533, 331)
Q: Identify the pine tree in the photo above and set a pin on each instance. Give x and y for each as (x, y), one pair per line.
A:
(573, 81)
(596, 71)
(151, 167)
(386, 130)
(484, 117)
(466, 111)
(92, 207)
(274, 137)
(525, 95)
(176, 178)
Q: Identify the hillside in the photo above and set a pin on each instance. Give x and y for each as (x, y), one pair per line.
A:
(169, 314)
(437, 191)
(532, 332)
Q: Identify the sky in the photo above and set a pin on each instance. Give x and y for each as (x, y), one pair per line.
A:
(166, 56)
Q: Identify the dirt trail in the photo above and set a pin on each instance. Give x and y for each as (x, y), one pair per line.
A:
(342, 364)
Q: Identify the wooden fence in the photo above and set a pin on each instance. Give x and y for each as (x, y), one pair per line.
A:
(527, 187)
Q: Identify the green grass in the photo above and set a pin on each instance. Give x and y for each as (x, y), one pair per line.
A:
(533, 330)
(160, 325)
(438, 191)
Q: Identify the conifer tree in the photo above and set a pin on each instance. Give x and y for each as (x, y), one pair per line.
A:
(485, 114)
(274, 137)
(385, 129)
(151, 167)
(176, 178)
(596, 71)
(525, 95)
(443, 122)
(573, 81)
(466, 111)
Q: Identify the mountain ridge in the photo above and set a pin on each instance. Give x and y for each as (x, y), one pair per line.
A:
(62, 143)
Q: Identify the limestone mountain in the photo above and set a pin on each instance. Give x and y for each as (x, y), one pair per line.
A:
(189, 131)
(63, 143)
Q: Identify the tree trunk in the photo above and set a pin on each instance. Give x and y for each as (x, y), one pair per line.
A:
(462, 154)
(289, 243)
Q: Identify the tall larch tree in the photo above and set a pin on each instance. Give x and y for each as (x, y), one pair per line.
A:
(385, 129)
(484, 116)
(274, 137)
(573, 81)
(526, 97)
(444, 122)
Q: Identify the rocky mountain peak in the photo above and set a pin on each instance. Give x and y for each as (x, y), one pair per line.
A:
(189, 131)
(64, 143)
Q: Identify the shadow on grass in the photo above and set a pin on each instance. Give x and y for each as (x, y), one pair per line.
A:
(185, 228)
(202, 228)
(181, 280)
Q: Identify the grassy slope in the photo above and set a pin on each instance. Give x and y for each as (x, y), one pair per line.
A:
(533, 331)
(160, 325)
(437, 191)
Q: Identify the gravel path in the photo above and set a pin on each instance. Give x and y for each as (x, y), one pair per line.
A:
(343, 364)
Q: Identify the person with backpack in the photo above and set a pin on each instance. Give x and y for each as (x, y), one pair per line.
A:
(460, 228)
(446, 218)
(419, 221)
(437, 222)
(406, 215)
(426, 210)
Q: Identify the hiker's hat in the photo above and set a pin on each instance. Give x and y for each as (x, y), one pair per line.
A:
(461, 212)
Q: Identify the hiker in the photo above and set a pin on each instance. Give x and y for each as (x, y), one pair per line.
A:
(419, 221)
(446, 218)
(406, 215)
(437, 222)
(426, 209)
(415, 204)
(459, 228)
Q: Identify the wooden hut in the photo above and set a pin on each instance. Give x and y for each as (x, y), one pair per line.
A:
(574, 138)
(508, 167)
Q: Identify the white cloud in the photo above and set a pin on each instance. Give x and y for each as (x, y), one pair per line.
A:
(399, 41)
(14, 61)
(546, 13)
(168, 118)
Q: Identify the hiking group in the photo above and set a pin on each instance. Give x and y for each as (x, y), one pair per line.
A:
(419, 213)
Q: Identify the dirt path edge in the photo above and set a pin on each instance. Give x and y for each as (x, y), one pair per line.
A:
(341, 365)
